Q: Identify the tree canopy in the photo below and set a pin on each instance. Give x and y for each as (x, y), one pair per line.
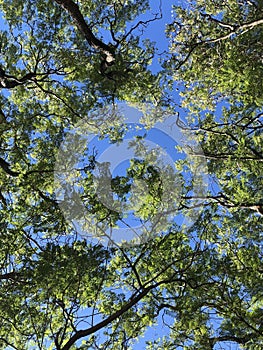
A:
(66, 63)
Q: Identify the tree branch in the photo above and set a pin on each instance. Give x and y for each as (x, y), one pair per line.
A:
(238, 340)
(238, 30)
(9, 275)
(6, 167)
(74, 12)
(9, 81)
(85, 332)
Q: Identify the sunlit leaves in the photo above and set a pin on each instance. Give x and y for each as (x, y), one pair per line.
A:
(213, 56)
(204, 282)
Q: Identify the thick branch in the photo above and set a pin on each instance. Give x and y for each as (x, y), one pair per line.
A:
(9, 81)
(83, 333)
(6, 167)
(74, 11)
(9, 275)
(238, 340)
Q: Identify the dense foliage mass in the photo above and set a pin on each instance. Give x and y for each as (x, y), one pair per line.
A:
(63, 60)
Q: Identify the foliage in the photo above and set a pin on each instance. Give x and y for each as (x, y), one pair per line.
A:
(202, 284)
(218, 52)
